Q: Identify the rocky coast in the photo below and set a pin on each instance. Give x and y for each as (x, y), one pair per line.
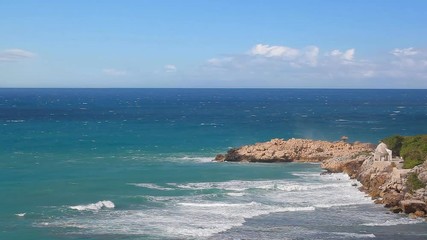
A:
(384, 180)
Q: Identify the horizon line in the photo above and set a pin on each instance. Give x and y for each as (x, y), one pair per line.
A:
(223, 88)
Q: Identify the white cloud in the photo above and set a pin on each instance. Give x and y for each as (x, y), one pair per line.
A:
(283, 63)
(114, 72)
(293, 57)
(274, 51)
(403, 52)
(347, 55)
(15, 54)
(410, 62)
(170, 68)
(311, 54)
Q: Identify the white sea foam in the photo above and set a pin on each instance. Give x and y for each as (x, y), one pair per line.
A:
(182, 220)
(202, 214)
(217, 204)
(20, 214)
(200, 159)
(297, 209)
(393, 222)
(240, 186)
(151, 186)
(94, 206)
(196, 159)
(236, 194)
(306, 174)
(354, 235)
(15, 121)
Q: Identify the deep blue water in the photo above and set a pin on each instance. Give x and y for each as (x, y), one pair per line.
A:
(135, 163)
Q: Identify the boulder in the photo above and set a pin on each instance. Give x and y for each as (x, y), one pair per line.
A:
(412, 206)
(219, 158)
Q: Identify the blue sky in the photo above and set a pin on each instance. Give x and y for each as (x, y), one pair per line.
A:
(172, 43)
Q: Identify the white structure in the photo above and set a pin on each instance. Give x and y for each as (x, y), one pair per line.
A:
(382, 153)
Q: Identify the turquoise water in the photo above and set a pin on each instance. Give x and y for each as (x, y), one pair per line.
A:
(136, 163)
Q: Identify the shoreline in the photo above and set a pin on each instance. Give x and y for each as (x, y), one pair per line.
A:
(384, 181)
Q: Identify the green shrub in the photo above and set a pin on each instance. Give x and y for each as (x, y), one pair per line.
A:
(412, 159)
(394, 143)
(410, 163)
(413, 183)
(412, 149)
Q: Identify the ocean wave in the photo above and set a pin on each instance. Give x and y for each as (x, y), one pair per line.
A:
(393, 222)
(298, 209)
(106, 204)
(15, 121)
(211, 124)
(182, 219)
(341, 120)
(306, 174)
(196, 159)
(236, 194)
(200, 159)
(217, 204)
(202, 214)
(151, 186)
(354, 235)
(240, 186)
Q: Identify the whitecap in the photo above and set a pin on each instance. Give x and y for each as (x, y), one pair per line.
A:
(217, 204)
(236, 194)
(15, 121)
(354, 235)
(151, 186)
(20, 214)
(393, 222)
(106, 204)
(297, 209)
(197, 159)
(201, 215)
(306, 174)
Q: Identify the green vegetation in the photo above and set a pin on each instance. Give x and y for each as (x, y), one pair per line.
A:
(394, 143)
(412, 149)
(413, 182)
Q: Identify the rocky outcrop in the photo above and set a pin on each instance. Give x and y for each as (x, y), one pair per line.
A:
(417, 207)
(384, 181)
(299, 150)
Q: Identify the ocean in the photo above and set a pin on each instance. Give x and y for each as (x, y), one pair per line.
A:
(137, 163)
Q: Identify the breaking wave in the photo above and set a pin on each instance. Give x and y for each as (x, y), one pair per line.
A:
(151, 186)
(199, 212)
(94, 206)
(393, 222)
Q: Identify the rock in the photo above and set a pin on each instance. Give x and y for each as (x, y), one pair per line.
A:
(396, 209)
(219, 158)
(302, 150)
(412, 206)
(419, 213)
(384, 181)
(392, 199)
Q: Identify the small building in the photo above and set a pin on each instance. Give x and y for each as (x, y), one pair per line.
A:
(382, 153)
